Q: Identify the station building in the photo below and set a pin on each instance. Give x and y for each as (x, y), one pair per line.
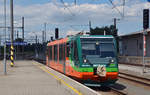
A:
(131, 47)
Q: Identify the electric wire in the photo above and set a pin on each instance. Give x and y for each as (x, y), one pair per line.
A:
(114, 6)
(67, 8)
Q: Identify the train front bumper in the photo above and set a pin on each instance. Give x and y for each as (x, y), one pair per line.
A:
(110, 77)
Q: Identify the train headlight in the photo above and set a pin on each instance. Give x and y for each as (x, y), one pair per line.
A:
(84, 60)
(112, 61)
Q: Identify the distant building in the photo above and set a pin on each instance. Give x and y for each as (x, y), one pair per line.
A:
(131, 47)
(132, 44)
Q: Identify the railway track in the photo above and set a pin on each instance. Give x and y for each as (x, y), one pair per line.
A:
(118, 92)
(40, 61)
(131, 64)
(128, 77)
(133, 78)
(108, 90)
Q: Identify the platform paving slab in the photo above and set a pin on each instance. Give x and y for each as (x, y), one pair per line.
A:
(33, 78)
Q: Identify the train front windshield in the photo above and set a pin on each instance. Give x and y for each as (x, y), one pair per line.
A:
(98, 47)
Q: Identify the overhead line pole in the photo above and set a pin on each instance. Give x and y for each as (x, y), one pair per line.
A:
(23, 28)
(115, 34)
(124, 7)
(5, 67)
(90, 26)
(115, 21)
(23, 35)
(12, 32)
(45, 26)
(42, 36)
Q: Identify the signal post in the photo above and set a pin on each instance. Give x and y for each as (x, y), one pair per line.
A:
(145, 27)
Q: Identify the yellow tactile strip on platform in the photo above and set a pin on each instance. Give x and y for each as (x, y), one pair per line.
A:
(57, 78)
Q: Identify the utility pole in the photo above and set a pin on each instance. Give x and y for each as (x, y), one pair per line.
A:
(42, 36)
(115, 21)
(45, 25)
(5, 66)
(90, 26)
(36, 39)
(115, 34)
(23, 28)
(23, 35)
(124, 7)
(36, 52)
(12, 32)
(17, 34)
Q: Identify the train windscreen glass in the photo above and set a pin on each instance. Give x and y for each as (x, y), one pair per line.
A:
(107, 50)
(97, 47)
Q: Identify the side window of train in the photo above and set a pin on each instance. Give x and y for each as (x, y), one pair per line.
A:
(64, 52)
(50, 52)
(55, 52)
(60, 53)
(47, 51)
(68, 49)
(72, 50)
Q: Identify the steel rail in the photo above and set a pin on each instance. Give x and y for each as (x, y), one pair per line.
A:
(133, 78)
(132, 64)
(118, 92)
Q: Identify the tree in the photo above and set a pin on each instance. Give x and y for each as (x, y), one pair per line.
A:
(109, 30)
(19, 40)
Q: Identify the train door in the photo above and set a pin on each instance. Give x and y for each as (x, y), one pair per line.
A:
(47, 55)
(67, 60)
(55, 56)
(75, 53)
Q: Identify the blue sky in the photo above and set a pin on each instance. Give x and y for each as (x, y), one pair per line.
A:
(30, 2)
(75, 18)
(26, 2)
(69, 1)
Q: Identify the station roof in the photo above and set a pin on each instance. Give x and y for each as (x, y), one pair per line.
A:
(134, 33)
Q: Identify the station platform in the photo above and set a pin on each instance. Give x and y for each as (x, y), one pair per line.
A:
(33, 78)
(135, 70)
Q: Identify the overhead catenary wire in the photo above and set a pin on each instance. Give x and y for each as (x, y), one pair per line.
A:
(114, 6)
(65, 7)
(62, 1)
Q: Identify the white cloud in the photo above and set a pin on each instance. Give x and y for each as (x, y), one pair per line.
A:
(55, 14)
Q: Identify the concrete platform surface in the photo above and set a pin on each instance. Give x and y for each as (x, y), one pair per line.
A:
(33, 78)
(134, 70)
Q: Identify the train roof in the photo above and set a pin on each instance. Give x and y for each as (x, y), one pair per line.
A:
(78, 36)
(97, 36)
